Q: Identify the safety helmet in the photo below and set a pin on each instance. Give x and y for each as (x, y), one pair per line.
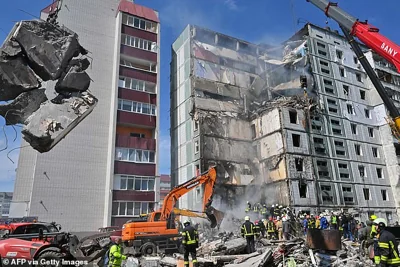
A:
(380, 222)
(280, 206)
(321, 215)
(373, 217)
(248, 202)
(276, 205)
(278, 218)
(186, 222)
(273, 205)
(247, 218)
(264, 205)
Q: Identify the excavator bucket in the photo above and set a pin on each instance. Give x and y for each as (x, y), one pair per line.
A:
(214, 216)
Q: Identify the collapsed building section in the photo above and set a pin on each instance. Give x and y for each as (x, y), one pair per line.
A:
(299, 125)
(36, 52)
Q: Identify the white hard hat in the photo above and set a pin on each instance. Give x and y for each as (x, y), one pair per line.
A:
(380, 221)
(276, 205)
(278, 218)
(247, 218)
(273, 205)
(186, 222)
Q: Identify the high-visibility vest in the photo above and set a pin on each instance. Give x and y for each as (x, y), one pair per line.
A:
(334, 219)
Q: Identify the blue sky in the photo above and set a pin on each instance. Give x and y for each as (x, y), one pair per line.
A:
(268, 21)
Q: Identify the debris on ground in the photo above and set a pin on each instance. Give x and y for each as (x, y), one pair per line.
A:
(36, 52)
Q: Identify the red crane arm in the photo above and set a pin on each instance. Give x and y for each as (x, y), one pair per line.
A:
(208, 178)
(371, 37)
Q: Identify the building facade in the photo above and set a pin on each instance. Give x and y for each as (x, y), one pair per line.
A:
(105, 171)
(242, 107)
(165, 186)
(5, 201)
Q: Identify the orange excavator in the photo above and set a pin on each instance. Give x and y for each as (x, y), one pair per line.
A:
(159, 232)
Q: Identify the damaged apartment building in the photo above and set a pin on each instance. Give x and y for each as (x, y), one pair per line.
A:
(301, 124)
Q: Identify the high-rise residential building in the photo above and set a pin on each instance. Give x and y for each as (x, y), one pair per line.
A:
(5, 200)
(105, 171)
(299, 125)
(165, 186)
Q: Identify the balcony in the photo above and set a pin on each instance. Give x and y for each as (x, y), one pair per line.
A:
(138, 96)
(138, 53)
(139, 74)
(135, 142)
(135, 119)
(139, 33)
(131, 195)
(145, 169)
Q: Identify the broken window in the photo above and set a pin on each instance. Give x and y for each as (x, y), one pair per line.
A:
(337, 131)
(339, 54)
(367, 113)
(348, 200)
(299, 164)
(335, 122)
(350, 109)
(346, 189)
(296, 140)
(322, 53)
(302, 189)
(331, 101)
(344, 175)
(196, 125)
(197, 169)
(362, 94)
(379, 173)
(321, 163)
(355, 59)
(324, 66)
(339, 143)
(358, 150)
(328, 86)
(342, 72)
(353, 128)
(253, 131)
(321, 44)
(326, 193)
(371, 132)
(375, 152)
(346, 89)
(332, 110)
(196, 147)
(293, 116)
(359, 77)
(227, 42)
(361, 170)
(342, 165)
(318, 140)
(367, 195)
(384, 195)
(205, 36)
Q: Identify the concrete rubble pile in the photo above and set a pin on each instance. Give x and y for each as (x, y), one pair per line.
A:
(36, 52)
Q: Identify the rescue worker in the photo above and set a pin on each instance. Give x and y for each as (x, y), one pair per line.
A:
(261, 224)
(272, 211)
(388, 253)
(256, 207)
(373, 233)
(190, 242)
(323, 222)
(317, 222)
(334, 221)
(279, 227)
(311, 222)
(264, 211)
(248, 207)
(248, 232)
(271, 229)
(257, 229)
(305, 224)
(115, 255)
(277, 212)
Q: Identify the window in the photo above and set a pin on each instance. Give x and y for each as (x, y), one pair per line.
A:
(348, 200)
(379, 173)
(151, 67)
(361, 170)
(384, 195)
(196, 147)
(253, 131)
(138, 135)
(293, 116)
(138, 43)
(359, 77)
(302, 189)
(296, 140)
(138, 85)
(324, 67)
(196, 125)
(353, 128)
(355, 59)
(346, 189)
(329, 87)
(362, 94)
(342, 72)
(350, 109)
(298, 162)
(367, 195)
(342, 166)
(134, 155)
(136, 107)
(197, 169)
(321, 45)
(339, 143)
(339, 54)
(375, 152)
(346, 89)
(139, 23)
(125, 208)
(335, 122)
(371, 132)
(137, 183)
(358, 150)
(367, 113)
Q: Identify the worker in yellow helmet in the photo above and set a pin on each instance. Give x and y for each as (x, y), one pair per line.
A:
(373, 233)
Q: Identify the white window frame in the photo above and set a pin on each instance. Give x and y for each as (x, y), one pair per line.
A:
(134, 179)
(135, 22)
(139, 43)
(152, 67)
(136, 107)
(144, 208)
(133, 153)
(196, 146)
(136, 85)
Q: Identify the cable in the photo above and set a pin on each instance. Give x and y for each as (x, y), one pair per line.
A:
(13, 150)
